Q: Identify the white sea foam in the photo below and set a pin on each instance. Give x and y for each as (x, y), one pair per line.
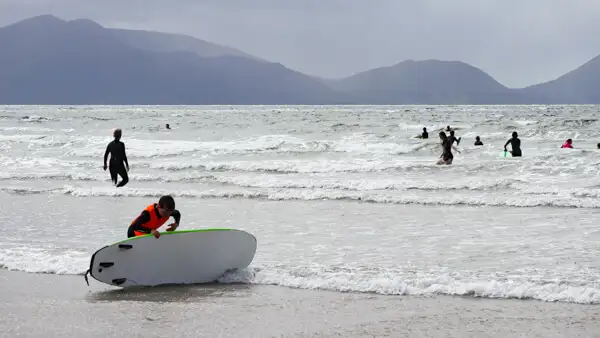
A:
(347, 279)
(403, 197)
(387, 283)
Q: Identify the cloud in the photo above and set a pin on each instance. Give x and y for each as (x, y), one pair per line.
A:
(517, 42)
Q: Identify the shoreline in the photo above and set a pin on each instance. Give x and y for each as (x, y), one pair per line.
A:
(246, 310)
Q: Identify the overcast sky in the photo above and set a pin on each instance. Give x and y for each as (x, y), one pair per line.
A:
(518, 42)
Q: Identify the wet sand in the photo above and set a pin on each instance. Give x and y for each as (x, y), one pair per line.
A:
(38, 305)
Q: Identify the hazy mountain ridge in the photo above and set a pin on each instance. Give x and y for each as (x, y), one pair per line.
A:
(46, 60)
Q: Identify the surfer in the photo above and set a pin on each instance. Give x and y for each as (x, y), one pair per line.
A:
(153, 217)
(515, 144)
(424, 134)
(118, 159)
(478, 141)
(447, 146)
(568, 144)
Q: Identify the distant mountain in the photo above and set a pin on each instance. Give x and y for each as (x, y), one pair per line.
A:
(166, 42)
(427, 82)
(45, 60)
(580, 86)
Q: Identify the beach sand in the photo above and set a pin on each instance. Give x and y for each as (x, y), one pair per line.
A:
(39, 305)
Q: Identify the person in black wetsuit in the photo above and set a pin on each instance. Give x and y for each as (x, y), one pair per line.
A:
(478, 141)
(153, 217)
(453, 138)
(515, 144)
(425, 134)
(118, 159)
(447, 145)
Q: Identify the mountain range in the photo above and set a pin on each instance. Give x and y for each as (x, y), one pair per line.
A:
(46, 60)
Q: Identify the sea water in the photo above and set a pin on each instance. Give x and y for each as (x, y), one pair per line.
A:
(342, 198)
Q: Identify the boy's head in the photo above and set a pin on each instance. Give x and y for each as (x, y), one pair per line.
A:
(514, 134)
(166, 205)
(477, 138)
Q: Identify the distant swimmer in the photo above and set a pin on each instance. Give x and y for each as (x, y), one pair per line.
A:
(447, 146)
(153, 217)
(515, 144)
(448, 128)
(478, 141)
(168, 127)
(453, 138)
(116, 148)
(424, 134)
(568, 144)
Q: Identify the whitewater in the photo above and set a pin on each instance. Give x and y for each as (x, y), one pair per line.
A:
(341, 198)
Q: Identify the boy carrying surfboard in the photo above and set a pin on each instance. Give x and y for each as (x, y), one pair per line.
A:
(153, 217)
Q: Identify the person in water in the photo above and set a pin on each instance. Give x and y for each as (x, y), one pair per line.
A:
(453, 138)
(118, 159)
(515, 144)
(448, 128)
(167, 126)
(153, 217)
(568, 144)
(447, 145)
(425, 134)
(478, 141)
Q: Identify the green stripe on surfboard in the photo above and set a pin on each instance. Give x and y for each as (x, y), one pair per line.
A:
(162, 233)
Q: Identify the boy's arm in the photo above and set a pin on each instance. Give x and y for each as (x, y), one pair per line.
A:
(177, 216)
(139, 222)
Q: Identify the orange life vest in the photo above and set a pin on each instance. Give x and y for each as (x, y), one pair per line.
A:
(154, 223)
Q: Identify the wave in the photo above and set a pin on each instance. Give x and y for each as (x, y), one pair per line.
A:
(281, 144)
(519, 201)
(296, 166)
(386, 283)
(382, 281)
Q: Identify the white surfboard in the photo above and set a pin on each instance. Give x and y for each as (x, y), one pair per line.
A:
(177, 257)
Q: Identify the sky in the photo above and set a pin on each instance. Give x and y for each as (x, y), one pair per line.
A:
(518, 42)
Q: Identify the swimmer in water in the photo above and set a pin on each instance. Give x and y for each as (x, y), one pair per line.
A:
(447, 146)
(515, 144)
(478, 141)
(116, 149)
(448, 128)
(568, 144)
(425, 134)
(168, 127)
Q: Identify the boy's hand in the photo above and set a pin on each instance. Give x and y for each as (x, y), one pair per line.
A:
(155, 233)
(172, 226)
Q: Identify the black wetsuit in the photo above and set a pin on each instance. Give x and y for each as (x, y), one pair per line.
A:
(454, 139)
(118, 160)
(424, 135)
(447, 152)
(478, 143)
(515, 144)
(144, 217)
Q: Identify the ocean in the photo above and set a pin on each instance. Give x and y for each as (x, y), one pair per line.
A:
(342, 199)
